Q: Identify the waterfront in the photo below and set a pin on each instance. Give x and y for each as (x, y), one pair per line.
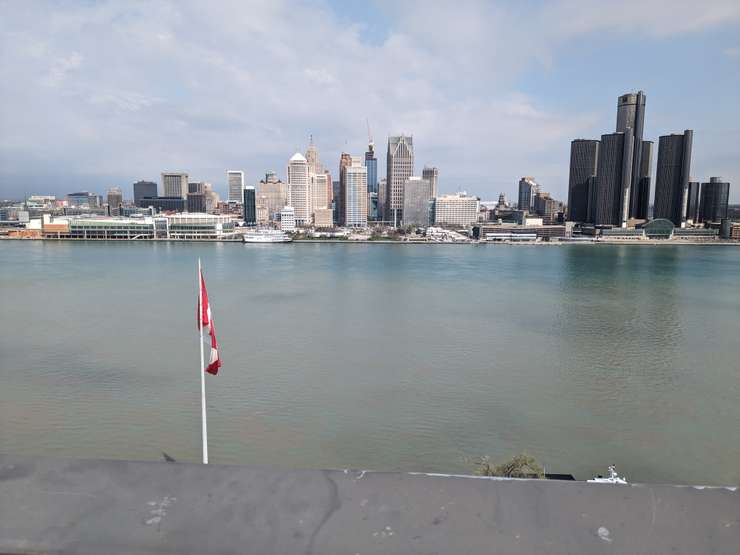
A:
(386, 357)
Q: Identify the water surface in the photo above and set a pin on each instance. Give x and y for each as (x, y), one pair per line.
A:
(385, 357)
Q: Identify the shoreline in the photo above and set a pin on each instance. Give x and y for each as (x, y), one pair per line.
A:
(642, 242)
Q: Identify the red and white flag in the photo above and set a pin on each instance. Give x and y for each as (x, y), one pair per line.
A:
(205, 318)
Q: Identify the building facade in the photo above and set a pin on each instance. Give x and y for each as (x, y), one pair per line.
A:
(175, 185)
(417, 197)
(528, 188)
(235, 179)
(355, 201)
(371, 163)
(400, 166)
(287, 219)
(431, 174)
(144, 189)
(456, 209)
(249, 206)
(672, 177)
(272, 195)
(114, 198)
(715, 197)
(299, 189)
(692, 206)
(584, 161)
(612, 182)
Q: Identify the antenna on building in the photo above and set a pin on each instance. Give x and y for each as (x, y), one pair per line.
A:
(369, 134)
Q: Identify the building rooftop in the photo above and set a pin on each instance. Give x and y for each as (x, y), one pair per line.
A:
(66, 506)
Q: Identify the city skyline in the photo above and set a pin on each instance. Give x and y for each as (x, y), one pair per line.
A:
(513, 113)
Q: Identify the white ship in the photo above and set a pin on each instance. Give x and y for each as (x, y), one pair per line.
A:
(266, 236)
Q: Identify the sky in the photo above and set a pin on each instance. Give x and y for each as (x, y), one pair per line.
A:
(102, 94)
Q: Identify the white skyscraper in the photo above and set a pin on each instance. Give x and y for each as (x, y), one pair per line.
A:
(175, 184)
(356, 194)
(299, 189)
(235, 179)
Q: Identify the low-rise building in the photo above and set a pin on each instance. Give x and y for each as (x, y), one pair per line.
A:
(323, 217)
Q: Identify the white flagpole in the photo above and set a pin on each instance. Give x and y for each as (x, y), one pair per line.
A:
(202, 369)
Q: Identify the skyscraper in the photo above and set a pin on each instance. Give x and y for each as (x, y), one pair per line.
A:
(612, 182)
(431, 174)
(114, 198)
(584, 160)
(249, 206)
(417, 194)
(312, 157)
(320, 190)
(356, 194)
(299, 188)
(528, 188)
(371, 163)
(715, 197)
(144, 189)
(631, 116)
(235, 179)
(175, 185)
(672, 177)
(345, 160)
(400, 166)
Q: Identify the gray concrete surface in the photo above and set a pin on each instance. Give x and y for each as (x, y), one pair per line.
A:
(110, 507)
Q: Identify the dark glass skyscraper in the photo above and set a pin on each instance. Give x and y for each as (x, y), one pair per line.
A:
(249, 208)
(715, 197)
(631, 116)
(144, 189)
(584, 158)
(672, 177)
(371, 163)
(610, 198)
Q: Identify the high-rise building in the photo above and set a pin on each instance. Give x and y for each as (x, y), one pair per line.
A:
(312, 158)
(382, 190)
(417, 196)
(175, 184)
(114, 198)
(329, 189)
(672, 177)
(528, 188)
(272, 195)
(715, 196)
(584, 159)
(431, 174)
(355, 202)
(612, 182)
(400, 166)
(144, 189)
(456, 209)
(249, 206)
(235, 179)
(692, 206)
(371, 163)
(196, 201)
(631, 116)
(299, 189)
(345, 161)
(320, 187)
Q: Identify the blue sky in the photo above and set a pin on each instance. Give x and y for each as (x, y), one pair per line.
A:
(101, 94)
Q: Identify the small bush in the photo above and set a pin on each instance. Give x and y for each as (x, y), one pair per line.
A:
(519, 466)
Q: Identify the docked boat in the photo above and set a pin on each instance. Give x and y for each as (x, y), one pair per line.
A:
(613, 478)
(266, 236)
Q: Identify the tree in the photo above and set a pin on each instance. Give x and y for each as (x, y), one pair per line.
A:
(519, 466)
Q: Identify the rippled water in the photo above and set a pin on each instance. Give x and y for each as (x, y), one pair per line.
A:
(385, 357)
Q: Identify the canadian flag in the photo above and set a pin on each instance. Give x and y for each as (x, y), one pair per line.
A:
(205, 318)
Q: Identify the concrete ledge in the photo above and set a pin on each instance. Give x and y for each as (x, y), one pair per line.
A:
(64, 506)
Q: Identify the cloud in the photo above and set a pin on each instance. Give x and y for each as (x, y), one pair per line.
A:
(128, 88)
(733, 52)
